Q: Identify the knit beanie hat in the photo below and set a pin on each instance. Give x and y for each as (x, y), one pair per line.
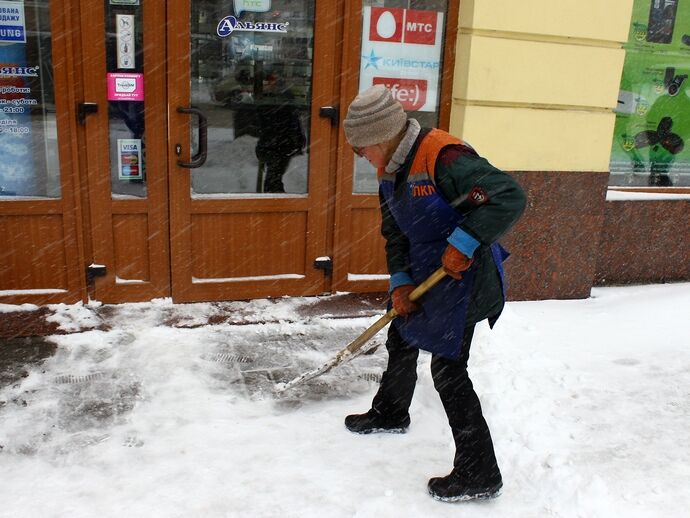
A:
(373, 117)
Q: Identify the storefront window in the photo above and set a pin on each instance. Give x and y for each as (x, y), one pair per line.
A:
(650, 142)
(28, 133)
(125, 84)
(251, 70)
(402, 44)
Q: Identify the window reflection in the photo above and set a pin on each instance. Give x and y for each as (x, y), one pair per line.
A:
(255, 89)
(28, 131)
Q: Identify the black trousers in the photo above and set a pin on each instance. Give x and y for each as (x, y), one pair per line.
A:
(475, 459)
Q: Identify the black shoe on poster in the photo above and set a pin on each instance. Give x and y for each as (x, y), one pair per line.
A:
(374, 422)
(454, 488)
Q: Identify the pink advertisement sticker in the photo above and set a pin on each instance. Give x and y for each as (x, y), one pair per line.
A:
(125, 87)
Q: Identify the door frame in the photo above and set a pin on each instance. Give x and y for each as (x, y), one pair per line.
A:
(46, 244)
(354, 246)
(315, 203)
(121, 228)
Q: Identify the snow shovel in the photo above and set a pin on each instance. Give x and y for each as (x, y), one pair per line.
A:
(356, 347)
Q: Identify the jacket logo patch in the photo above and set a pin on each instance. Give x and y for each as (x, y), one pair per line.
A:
(478, 196)
(422, 190)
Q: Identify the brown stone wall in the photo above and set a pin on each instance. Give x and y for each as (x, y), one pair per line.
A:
(644, 241)
(555, 244)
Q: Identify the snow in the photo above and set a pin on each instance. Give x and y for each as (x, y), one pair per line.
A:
(588, 403)
(197, 280)
(120, 280)
(13, 308)
(36, 291)
(367, 277)
(623, 195)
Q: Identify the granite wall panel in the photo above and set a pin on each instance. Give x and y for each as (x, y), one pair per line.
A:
(644, 241)
(556, 242)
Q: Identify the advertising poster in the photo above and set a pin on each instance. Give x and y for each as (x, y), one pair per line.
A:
(401, 49)
(12, 25)
(129, 159)
(125, 87)
(652, 131)
(17, 174)
(660, 25)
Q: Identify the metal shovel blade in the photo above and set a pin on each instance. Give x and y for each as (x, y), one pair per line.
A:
(356, 347)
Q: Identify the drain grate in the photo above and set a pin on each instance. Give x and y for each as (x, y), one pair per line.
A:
(73, 380)
(231, 358)
(371, 377)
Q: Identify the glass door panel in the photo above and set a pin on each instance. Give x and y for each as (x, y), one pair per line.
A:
(250, 74)
(125, 87)
(28, 131)
(248, 182)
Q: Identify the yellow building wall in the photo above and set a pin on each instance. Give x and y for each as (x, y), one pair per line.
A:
(536, 81)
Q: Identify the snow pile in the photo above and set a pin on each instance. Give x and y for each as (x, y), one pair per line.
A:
(71, 318)
(12, 308)
(588, 403)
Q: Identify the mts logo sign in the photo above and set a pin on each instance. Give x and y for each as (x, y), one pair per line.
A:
(411, 93)
(397, 25)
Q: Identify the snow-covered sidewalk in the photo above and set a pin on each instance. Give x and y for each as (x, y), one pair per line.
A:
(588, 403)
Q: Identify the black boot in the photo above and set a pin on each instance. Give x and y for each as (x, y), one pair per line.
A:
(456, 488)
(374, 422)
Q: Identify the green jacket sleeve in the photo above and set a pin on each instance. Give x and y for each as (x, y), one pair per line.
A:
(491, 200)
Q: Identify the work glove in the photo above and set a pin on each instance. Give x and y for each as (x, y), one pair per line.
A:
(401, 300)
(455, 262)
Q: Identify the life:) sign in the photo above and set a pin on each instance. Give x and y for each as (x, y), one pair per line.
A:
(411, 93)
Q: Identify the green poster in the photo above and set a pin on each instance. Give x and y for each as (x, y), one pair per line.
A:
(651, 144)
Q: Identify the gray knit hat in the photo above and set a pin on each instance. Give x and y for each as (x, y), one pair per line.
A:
(373, 117)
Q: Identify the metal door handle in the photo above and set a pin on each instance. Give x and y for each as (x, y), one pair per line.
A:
(329, 112)
(84, 109)
(198, 159)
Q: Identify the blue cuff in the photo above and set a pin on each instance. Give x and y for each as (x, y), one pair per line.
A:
(463, 242)
(400, 279)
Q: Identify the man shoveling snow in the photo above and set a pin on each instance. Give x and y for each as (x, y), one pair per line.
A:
(441, 203)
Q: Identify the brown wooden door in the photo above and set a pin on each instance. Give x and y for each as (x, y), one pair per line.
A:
(126, 224)
(40, 245)
(253, 218)
(398, 54)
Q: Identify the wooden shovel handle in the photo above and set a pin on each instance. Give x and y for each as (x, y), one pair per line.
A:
(428, 283)
(382, 322)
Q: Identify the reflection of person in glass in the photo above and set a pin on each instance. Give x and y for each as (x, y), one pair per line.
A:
(280, 132)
